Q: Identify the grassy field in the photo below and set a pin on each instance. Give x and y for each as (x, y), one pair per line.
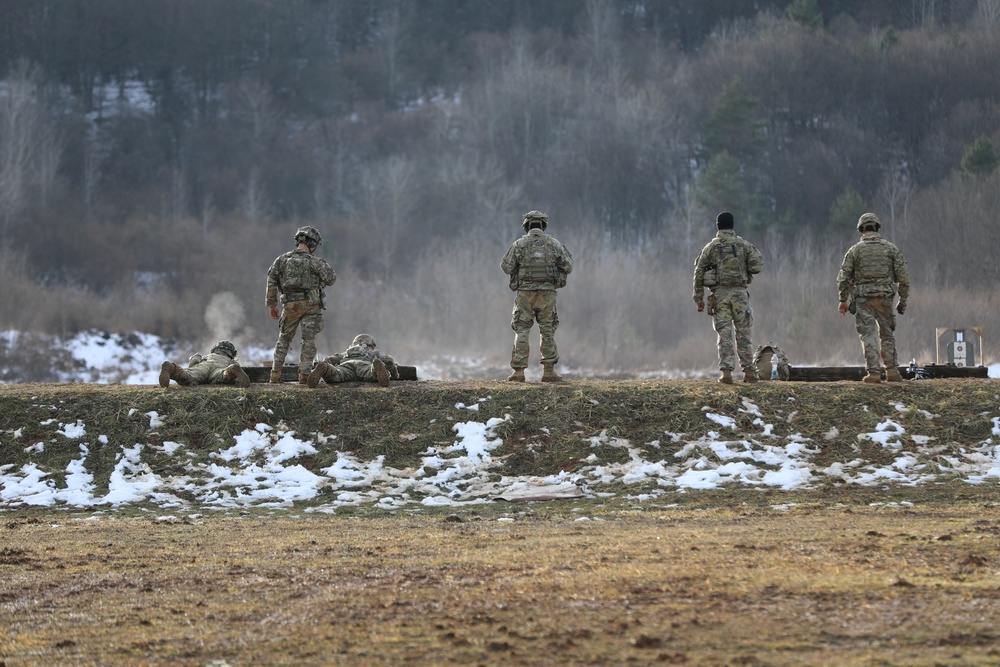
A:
(812, 585)
(832, 574)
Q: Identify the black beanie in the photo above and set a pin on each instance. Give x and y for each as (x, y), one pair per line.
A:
(725, 220)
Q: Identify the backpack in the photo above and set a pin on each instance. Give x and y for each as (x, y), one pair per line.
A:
(296, 273)
(539, 263)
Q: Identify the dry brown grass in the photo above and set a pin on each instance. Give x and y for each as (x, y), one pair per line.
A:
(809, 586)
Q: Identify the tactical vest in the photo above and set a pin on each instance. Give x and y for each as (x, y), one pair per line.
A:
(538, 264)
(297, 273)
(730, 266)
(872, 264)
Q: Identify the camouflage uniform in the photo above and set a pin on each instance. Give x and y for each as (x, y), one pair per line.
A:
(296, 279)
(537, 264)
(873, 272)
(356, 364)
(726, 265)
(218, 367)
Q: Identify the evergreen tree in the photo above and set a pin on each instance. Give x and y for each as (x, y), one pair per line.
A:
(721, 187)
(732, 126)
(807, 13)
(980, 158)
(846, 209)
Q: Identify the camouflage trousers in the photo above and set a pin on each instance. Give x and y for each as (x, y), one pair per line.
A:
(876, 324)
(530, 307)
(294, 314)
(205, 372)
(350, 370)
(733, 316)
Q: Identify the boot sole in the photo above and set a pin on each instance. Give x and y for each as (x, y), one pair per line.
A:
(164, 379)
(316, 375)
(381, 373)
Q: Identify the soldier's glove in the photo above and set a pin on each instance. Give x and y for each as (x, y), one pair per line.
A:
(901, 306)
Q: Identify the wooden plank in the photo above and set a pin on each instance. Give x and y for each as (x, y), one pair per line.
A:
(290, 373)
(855, 373)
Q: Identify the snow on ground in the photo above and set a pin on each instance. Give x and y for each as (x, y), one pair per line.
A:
(135, 358)
(259, 467)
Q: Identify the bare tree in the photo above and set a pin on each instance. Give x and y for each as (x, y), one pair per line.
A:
(255, 205)
(22, 130)
(988, 14)
(391, 196)
(393, 39)
(894, 196)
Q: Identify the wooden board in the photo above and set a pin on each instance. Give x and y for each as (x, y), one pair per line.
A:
(262, 374)
(855, 373)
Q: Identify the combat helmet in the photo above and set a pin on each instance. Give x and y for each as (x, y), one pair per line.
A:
(869, 219)
(308, 235)
(226, 348)
(535, 215)
(364, 339)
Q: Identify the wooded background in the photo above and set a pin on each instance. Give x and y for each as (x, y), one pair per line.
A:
(157, 155)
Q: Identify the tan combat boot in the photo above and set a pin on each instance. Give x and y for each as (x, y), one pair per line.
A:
(167, 371)
(549, 374)
(381, 372)
(303, 378)
(750, 376)
(234, 374)
(893, 375)
(873, 377)
(516, 376)
(275, 377)
(726, 377)
(317, 373)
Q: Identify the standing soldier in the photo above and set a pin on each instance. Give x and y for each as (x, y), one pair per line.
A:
(537, 265)
(296, 279)
(867, 282)
(726, 266)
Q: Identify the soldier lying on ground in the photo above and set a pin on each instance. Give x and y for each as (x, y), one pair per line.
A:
(219, 367)
(361, 362)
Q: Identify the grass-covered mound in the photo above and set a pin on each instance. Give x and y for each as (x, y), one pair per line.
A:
(641, 439)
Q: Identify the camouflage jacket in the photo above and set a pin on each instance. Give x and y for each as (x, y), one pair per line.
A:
(872, 267)
(298, 272)
(726, 261)
(537, 261)
(215, 360)
(361, 353)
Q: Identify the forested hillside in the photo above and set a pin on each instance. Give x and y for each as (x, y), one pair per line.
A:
(156, 156)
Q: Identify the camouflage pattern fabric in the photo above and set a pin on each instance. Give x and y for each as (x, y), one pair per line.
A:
(205, 370)
(536, 297)
(296, 280)
(763, 357)
(876, 325)
(531, 307)
(734, 318)
(355, 365)
(298, 271)
(726, 265)
(726, 261)
(873, 267)
(873, 271)
(295, 314)
(522, 269)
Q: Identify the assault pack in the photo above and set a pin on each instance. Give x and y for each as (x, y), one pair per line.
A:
(733, 264)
